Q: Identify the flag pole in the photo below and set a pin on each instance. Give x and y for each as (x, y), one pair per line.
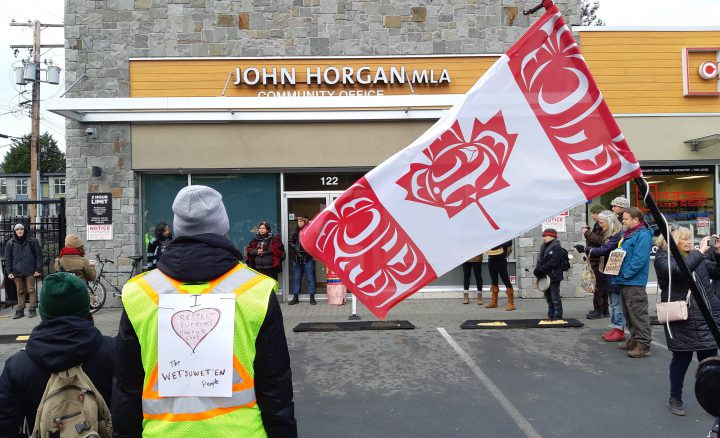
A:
(662, 225)
(543, 4)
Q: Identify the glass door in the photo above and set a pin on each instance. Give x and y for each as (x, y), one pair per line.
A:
(303, 204)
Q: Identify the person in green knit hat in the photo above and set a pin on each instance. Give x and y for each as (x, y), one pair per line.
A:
(66, 337)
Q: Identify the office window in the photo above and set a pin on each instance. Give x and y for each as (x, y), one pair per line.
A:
(59, 186)
(21, 186)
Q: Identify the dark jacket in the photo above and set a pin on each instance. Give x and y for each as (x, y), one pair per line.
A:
(273, 252)
(593, 239)
(155, 249)
(199, 259)
(54, 345)
(713, 264)
(601, 253)
(301, 256)
(692, 334)
(549, 260)
(23, 257)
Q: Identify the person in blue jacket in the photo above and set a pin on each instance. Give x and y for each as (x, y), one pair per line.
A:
(636, 241)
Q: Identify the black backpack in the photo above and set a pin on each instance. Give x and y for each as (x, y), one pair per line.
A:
(565, 259)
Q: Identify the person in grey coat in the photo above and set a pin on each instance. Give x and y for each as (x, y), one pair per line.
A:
(691, 335)
(23, 263)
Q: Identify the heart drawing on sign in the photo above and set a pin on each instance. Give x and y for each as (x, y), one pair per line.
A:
(193, 327)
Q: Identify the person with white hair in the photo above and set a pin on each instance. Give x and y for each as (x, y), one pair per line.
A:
(692, 335)
(612, 233)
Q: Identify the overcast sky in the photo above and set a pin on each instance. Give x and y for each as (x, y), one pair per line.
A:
(16, 122)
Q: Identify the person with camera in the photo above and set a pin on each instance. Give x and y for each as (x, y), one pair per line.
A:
(692, 335)
(712, 254)
(303, 265)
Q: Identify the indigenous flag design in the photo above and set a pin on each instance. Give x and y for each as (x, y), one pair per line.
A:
(533, 137)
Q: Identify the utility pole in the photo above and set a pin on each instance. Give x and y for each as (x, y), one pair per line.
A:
(35, 185)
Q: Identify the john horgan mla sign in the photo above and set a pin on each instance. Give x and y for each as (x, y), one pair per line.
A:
(363, 76)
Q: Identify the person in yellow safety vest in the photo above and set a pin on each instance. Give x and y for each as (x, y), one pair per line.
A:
(201, 259)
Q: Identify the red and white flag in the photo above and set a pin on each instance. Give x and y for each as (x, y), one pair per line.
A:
(533, 137)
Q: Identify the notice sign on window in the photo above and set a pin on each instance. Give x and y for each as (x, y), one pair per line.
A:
(99, 208)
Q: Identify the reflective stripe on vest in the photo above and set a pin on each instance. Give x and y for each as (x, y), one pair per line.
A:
(252, 291)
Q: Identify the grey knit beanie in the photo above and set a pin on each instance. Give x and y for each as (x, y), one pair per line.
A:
(621, 202)
(199, 210)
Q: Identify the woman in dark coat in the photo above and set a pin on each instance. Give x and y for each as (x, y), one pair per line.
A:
(691, 335)
(265, 252)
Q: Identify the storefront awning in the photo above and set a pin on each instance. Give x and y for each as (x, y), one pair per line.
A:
(251, 109)
(703, 142)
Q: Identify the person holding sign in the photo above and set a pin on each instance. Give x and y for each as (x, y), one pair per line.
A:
(612, 233)
(634, 248)
(201, 348)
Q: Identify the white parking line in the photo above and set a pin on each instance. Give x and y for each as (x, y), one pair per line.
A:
(509, 407)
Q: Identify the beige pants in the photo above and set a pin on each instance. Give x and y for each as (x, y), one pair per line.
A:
(26, 285)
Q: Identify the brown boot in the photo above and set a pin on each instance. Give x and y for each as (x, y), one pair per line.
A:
(494, 290)
(466, 297)
(511, 299)
(479, 299)
(640, 350)
(630, 344)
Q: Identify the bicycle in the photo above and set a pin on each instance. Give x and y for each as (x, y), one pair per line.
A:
(97, 289)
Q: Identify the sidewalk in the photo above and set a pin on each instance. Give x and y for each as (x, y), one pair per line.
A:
(442, 309)
(417, 311)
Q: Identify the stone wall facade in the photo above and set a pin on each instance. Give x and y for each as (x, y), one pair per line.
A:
(101, 35)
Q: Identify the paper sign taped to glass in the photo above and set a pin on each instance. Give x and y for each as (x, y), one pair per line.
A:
(614, 262)
(532, 138)
(195, 345)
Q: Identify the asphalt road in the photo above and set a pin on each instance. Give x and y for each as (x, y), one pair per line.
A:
(441, 381)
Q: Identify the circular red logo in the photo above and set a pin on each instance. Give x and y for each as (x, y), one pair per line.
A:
(708, 70)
